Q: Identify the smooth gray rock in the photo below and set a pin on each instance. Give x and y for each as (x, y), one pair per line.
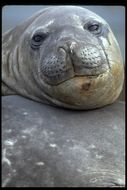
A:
(45, 146)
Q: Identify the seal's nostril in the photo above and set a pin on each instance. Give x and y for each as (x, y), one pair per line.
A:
(62, 51)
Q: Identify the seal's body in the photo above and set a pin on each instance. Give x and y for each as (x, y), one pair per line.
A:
(44, 146)
(65, 56)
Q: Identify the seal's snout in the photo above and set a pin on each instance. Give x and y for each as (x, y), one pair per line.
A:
(83, 55)
(88, 56)
(72, 58)
(85, 58)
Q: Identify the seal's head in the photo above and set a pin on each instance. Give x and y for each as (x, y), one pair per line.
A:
(70, 57)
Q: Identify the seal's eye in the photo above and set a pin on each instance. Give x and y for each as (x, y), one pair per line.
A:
(94, 27)
(37, 40)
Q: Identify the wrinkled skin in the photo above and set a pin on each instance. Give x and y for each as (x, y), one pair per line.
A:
(73, 65)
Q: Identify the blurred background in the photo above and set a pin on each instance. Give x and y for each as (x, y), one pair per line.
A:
(114, 15)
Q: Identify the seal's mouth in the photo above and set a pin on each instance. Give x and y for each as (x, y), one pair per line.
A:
(71, 77)
(79, 77)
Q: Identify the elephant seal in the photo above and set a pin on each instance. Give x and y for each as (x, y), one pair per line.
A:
(65, 56)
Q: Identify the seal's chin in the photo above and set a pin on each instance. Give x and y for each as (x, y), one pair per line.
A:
(82, 92)
(79, 83)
